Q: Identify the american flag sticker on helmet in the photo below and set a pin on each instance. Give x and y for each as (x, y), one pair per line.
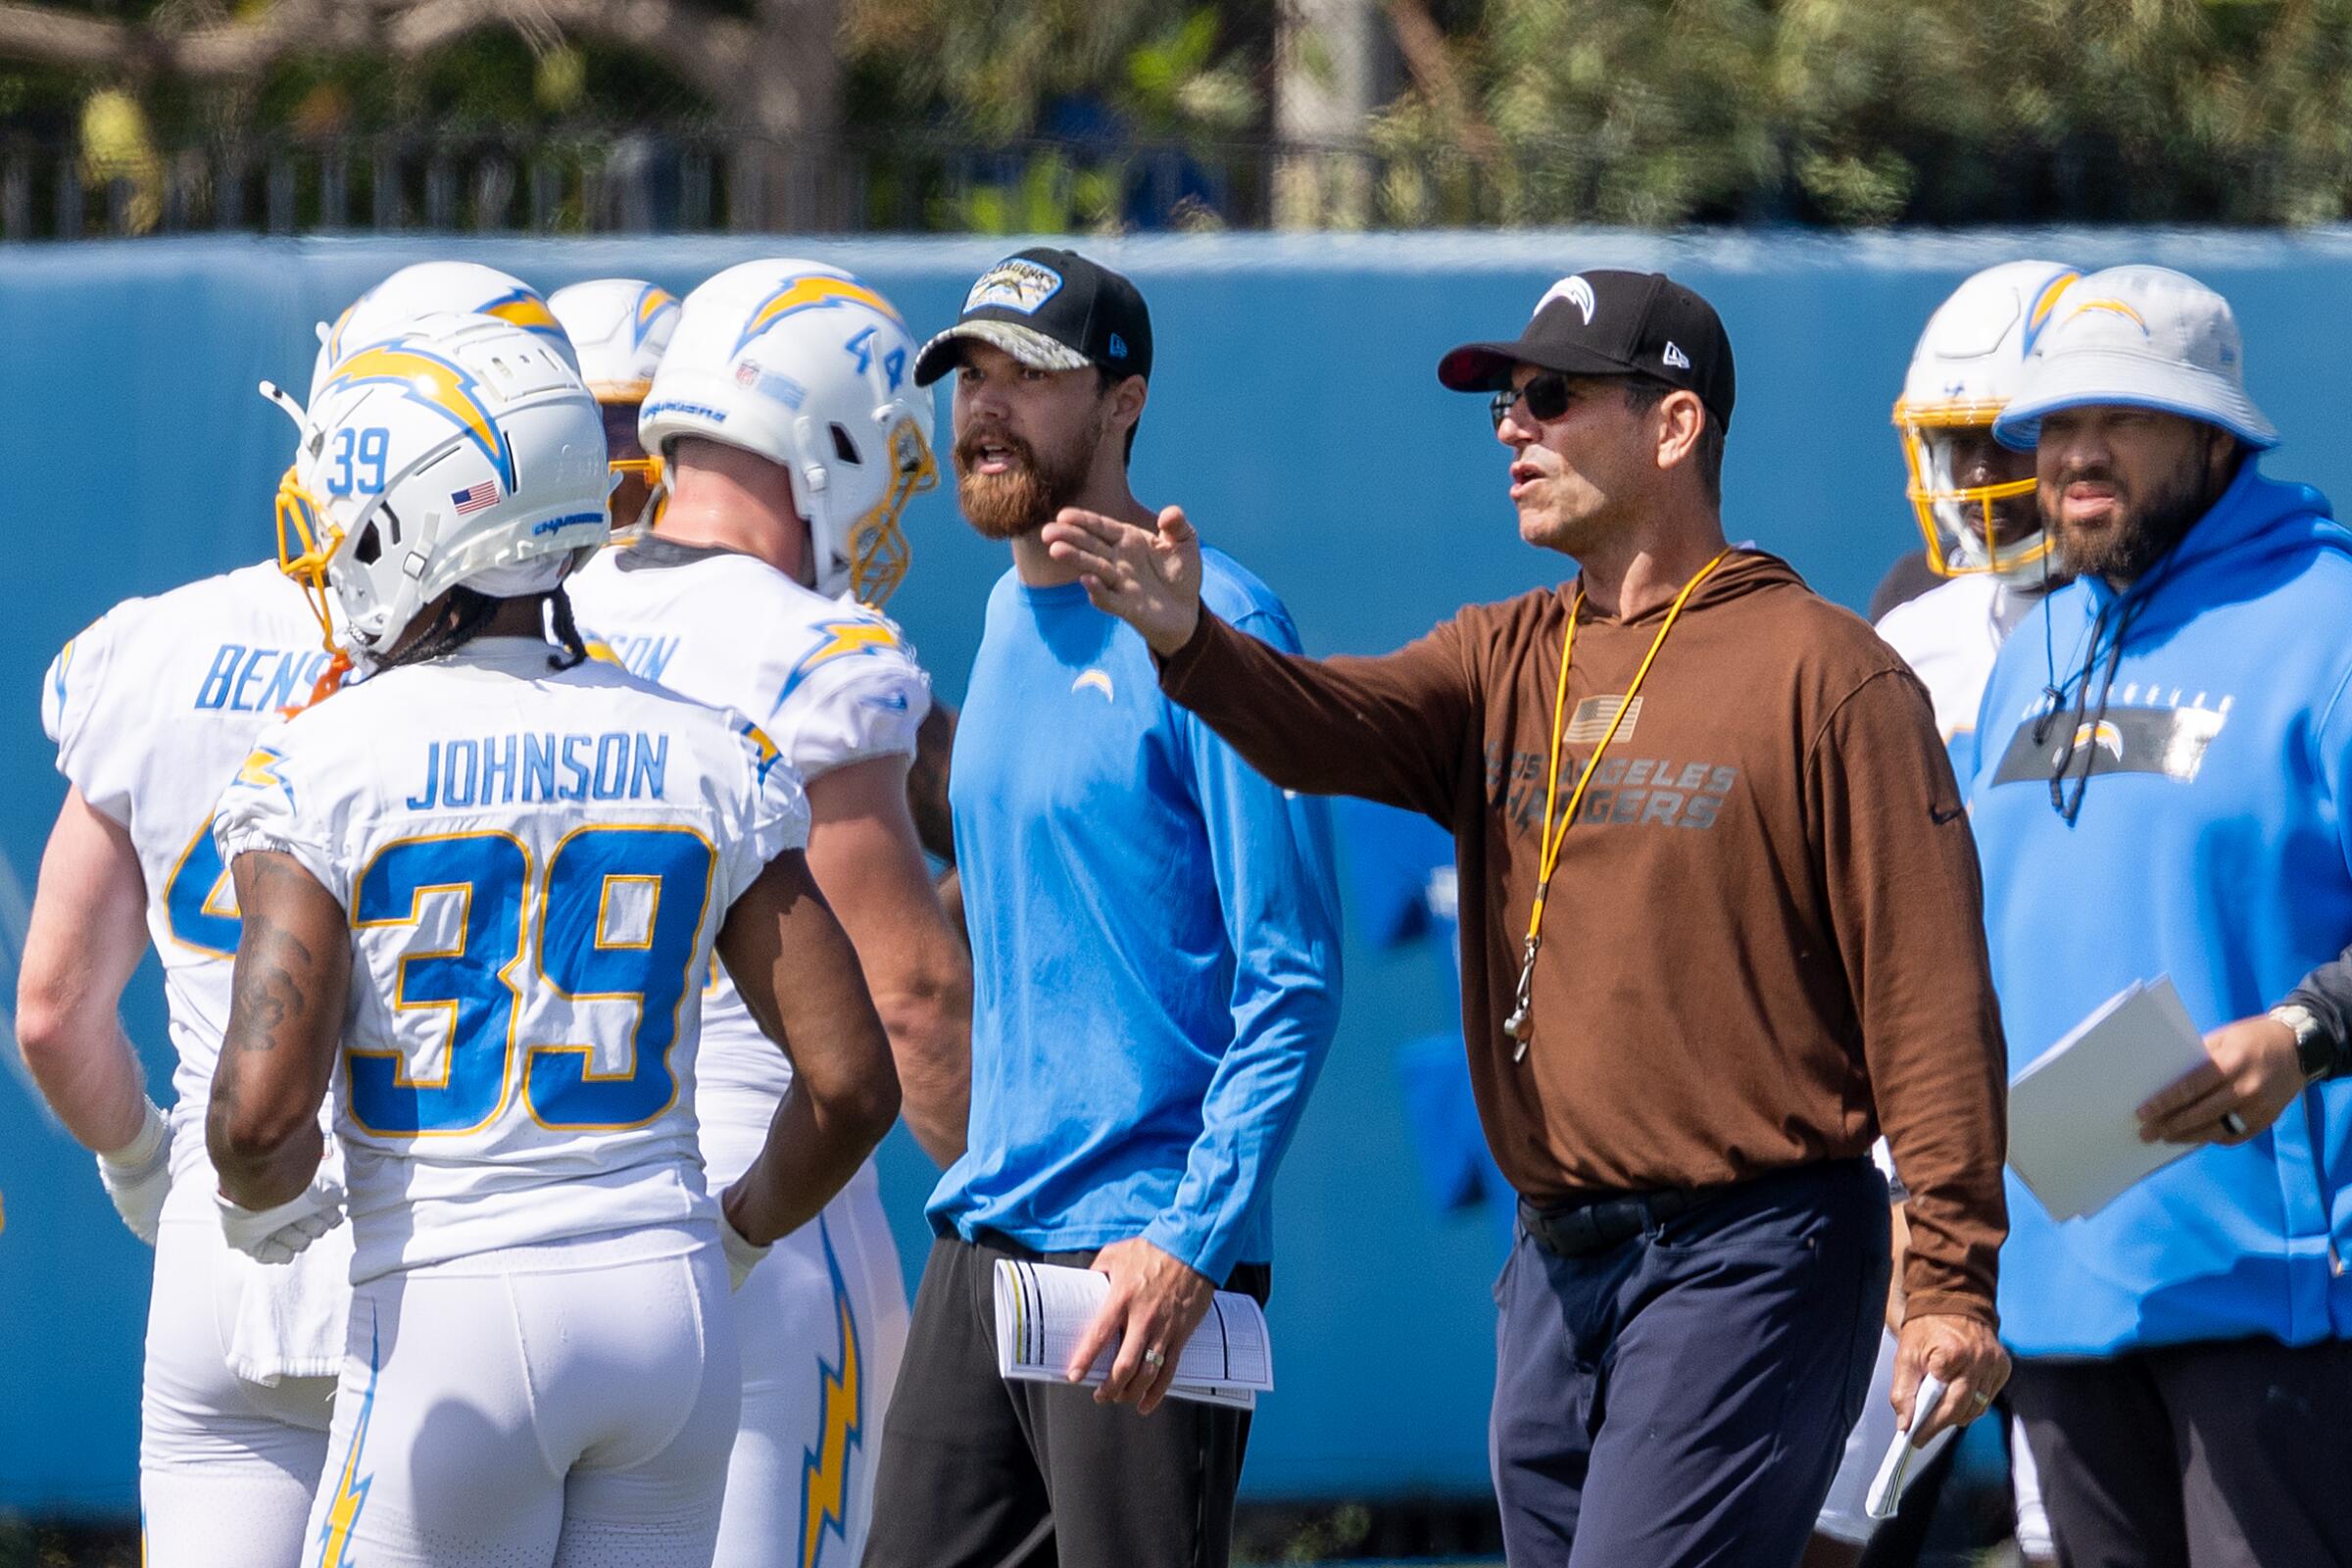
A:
(475, 498)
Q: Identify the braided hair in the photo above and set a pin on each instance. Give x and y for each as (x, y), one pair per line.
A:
(461, 620)
(567, 631)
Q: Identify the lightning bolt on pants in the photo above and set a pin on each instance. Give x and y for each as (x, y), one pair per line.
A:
(563, 1406)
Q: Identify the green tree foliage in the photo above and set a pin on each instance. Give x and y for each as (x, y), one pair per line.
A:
(1862, 112)
(1636, 112)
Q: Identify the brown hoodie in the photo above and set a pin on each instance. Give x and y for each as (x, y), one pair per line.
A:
(1764, 941)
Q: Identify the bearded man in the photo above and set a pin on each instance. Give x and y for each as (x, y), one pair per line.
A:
(1155, 949)
(2159, 774)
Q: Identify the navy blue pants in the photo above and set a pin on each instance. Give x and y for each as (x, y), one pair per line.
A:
(1681, 1398)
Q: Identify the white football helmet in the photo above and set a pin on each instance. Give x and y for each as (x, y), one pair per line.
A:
(434, 288)
(466, 452)
(1962, 373)
(618, 326)
(813, 370)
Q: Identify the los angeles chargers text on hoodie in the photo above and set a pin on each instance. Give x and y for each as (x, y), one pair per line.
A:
(2201, 742)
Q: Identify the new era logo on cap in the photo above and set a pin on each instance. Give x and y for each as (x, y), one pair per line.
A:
(1675, 356)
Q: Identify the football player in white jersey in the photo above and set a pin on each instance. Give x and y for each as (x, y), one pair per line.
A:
(152, 708)
(240, 1361)
(1975, 503)
(480, 892)
(1973, 497)
(619, 326)
(792, 435)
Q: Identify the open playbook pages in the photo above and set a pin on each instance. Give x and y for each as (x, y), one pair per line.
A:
(1041, 1309)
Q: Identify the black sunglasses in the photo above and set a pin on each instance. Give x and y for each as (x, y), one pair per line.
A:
(1547, 394)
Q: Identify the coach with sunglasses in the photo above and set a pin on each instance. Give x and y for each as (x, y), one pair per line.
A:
(1719, 929)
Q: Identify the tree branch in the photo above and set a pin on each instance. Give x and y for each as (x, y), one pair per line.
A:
(216, 51)
(56, 38)
(1431, 64)
(704, 48)
(707, 50)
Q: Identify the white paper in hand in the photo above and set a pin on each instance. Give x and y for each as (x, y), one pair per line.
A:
(2074, 1123)
(1044, 1309)
(1886, 1487)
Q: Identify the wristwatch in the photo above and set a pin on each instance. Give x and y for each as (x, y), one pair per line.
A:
(2314, 1047)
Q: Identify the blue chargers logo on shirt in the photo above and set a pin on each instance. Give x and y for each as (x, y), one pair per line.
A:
(1015, 284)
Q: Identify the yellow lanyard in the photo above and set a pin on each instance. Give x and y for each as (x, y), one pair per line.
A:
(1520, 1025)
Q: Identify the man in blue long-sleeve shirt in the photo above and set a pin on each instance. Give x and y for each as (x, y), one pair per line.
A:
(1157, 975)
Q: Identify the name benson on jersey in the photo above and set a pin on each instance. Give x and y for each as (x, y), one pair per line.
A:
(244, 679)
(502, 770)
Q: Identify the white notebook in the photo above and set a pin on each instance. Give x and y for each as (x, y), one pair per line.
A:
(2073, 1124)
(1041, 1309)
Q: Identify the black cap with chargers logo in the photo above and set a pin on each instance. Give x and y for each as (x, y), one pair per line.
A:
(1052, 310)
(1606, 322)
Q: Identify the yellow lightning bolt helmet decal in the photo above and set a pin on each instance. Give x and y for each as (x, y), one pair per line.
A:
(351, 1488)
(447, 388)
(649, 305)
(334, 334)
(807, 292)
(825, 1468)
(523, 308)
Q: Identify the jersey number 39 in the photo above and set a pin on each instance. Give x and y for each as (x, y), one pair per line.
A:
(617, 917)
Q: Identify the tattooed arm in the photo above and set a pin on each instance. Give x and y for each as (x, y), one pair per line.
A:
(285, 1018)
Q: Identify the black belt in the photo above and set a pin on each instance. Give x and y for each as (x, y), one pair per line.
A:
(1589, 1225)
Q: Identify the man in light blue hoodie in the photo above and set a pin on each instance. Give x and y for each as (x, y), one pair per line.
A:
(2161, 774)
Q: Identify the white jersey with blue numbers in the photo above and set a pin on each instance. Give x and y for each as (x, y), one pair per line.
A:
(152, 708)
(535, 862)
(832, 683)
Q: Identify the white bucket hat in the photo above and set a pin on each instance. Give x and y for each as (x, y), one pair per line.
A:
(2144, 337)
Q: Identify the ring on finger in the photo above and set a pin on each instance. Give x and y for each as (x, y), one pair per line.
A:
(2233, 1125)
(1155, 1359)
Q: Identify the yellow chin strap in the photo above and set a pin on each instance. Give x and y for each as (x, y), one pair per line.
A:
(1915, 422)
(879, 555)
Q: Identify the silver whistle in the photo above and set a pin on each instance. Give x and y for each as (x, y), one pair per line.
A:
(1520, 1025)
